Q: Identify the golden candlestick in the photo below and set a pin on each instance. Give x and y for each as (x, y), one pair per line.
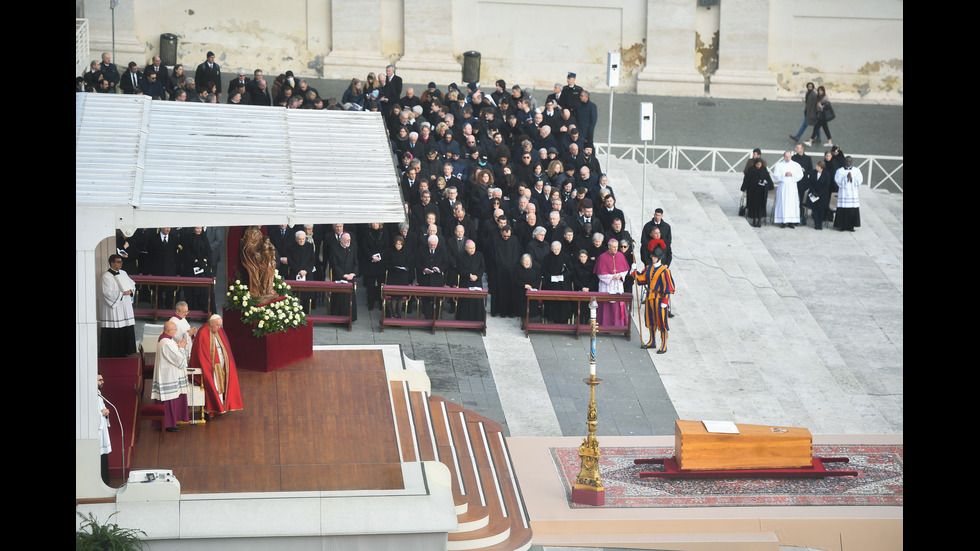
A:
(588, 484)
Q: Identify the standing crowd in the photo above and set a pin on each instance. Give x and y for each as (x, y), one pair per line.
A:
(498, 185)
(803, 187)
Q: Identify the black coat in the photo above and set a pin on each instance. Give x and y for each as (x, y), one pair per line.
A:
(373, 242)
(756, 184)
(343, 261)
(436, 262)
(583, 276)
(664, 231)
(820, 185)
(196, 255)
(126, 82)
(207, 74)
(161, 258)
(555, 267)
(301, 257)
(399, 266)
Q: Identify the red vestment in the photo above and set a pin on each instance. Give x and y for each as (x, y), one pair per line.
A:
(203, 357)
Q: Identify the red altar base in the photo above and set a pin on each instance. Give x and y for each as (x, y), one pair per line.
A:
(589, 497)
(270, 352)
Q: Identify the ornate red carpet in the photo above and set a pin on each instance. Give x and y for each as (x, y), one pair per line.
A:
(879, 482)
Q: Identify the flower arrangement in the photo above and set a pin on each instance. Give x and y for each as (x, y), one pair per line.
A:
(275, 316)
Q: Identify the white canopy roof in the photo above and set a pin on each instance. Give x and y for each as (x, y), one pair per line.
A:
(164, 163)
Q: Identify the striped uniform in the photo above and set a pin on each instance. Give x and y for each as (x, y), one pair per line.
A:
(660, 285)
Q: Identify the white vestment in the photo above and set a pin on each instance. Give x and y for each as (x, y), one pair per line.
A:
(169, 371)
(115, 308)
(847, 197)
(787, 207)
(182, 328)
(105, 445)
(609, 285)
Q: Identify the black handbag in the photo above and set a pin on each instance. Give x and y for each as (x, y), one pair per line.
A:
(828, 112)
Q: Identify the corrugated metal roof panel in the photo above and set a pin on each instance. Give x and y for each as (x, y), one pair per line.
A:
(208, 164)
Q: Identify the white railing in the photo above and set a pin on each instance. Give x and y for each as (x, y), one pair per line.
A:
(81, 46)
(880, 171)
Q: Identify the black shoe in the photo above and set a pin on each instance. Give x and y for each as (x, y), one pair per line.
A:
(207, 416)
(669, 315)
(661, 351)
(646, 346)
(794, 138)
(792, 226)
(172, 429)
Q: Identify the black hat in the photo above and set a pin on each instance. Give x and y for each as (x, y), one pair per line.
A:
(658, 252)
(571, 75)
(432, 85)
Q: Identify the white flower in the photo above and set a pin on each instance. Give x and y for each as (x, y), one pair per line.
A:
(261, 323)
(237, 281)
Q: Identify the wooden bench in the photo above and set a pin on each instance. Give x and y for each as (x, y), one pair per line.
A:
(329, 288)
(155, 282)
(577, 297)
(391, 292)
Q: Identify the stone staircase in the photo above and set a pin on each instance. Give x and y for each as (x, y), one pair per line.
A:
(489, 506)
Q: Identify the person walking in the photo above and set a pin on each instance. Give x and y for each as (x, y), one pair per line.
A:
(822, 113)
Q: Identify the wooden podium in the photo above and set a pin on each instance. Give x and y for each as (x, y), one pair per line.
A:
(755, 447)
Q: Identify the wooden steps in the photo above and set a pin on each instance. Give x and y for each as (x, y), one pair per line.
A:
(489, 506)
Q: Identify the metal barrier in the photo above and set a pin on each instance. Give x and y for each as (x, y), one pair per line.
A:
(81, 46)
(880, 171)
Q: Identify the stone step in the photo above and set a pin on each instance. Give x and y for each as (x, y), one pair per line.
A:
(490, 510)
(751, 340)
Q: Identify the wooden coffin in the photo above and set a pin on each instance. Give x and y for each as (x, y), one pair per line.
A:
(755, 447)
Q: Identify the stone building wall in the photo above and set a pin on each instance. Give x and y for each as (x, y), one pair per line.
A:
(744, 48)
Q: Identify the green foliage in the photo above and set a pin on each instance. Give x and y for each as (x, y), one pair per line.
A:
(106, 537)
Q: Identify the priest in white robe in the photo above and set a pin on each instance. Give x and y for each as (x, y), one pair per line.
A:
(787, 173)
(116, 319)
(170, 385)
(184, 328)
(849, 180)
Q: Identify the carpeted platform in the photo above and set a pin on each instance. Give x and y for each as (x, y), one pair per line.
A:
(879, 482)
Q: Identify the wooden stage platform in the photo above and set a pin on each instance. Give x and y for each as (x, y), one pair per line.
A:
(293, 435)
